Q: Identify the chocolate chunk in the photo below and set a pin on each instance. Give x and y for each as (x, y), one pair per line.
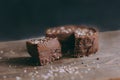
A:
(86, 41)
(46, 50)
(65, 35)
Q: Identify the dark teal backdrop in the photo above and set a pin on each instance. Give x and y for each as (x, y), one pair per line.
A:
(21, 19)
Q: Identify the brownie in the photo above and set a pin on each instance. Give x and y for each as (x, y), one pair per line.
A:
(65, 35)
(86, 41)
(46, 50)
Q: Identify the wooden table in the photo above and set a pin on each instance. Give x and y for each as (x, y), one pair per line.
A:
(16, 64)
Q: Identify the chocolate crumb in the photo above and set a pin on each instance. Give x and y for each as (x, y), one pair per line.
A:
(97, 58)
(82, 63)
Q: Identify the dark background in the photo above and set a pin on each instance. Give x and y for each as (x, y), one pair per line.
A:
(20, 19)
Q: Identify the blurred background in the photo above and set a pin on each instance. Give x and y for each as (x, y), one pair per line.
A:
(21, 19)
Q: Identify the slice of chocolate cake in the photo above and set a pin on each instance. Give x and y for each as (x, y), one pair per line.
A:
(65, 36)
(46, 49)
(86, 41)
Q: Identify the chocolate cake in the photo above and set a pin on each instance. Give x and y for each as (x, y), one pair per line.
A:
(46, 50)
(86, 41)
(65, 36)
(77, 40)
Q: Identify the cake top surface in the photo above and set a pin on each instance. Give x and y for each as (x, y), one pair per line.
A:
(84, 31)
(80, 29)
(61, 29)
(43, 40)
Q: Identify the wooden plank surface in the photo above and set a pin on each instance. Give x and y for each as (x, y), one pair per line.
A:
(16, 64)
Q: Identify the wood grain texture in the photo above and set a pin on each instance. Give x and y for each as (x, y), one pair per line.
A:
(16, 64)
